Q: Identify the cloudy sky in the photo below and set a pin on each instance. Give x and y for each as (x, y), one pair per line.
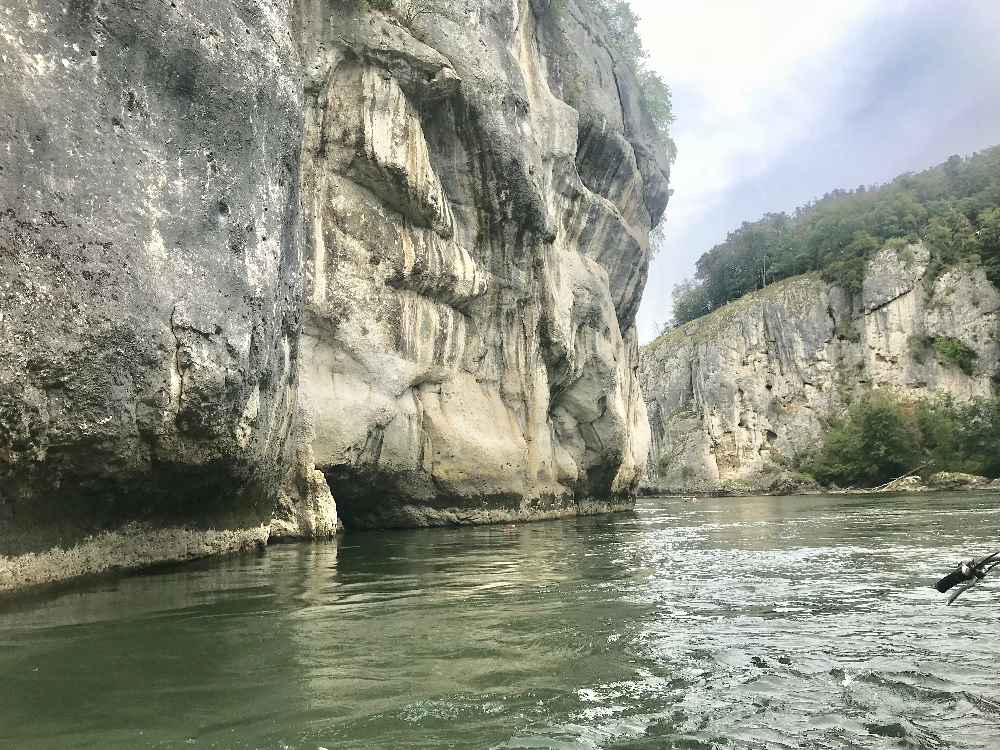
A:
(780, 101)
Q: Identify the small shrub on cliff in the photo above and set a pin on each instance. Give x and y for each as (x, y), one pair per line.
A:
(657, 99)
(949, 351)
(626, 45)
(623, 30)
(407, 11)
(412, 10)
(957, 353)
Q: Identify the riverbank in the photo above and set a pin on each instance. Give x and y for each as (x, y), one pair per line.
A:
(944, 481)
(137, 546)
(132, 547)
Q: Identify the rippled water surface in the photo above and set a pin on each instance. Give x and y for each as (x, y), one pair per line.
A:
(754, 623)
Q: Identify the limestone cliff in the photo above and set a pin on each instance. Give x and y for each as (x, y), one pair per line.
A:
(248, 247)
(736, 397)
(478, 201)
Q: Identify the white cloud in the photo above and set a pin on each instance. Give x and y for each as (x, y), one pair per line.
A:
(748, 80)
(780, 101)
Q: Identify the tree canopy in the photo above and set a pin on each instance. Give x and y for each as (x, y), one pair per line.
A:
(882, 437)
(954, 207)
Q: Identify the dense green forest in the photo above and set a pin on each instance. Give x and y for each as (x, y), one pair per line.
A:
(882, 437)
(954, 208)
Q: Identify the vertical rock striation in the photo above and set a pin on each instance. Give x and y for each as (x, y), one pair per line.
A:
(478, 243)
(736, 397)
(245, 243)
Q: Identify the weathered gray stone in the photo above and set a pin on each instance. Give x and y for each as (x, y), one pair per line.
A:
(891, 273)
(241, 243)
(150, 269)
(949, 480)
(906, 484)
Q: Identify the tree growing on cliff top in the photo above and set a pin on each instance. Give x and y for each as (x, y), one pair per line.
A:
(954, 208)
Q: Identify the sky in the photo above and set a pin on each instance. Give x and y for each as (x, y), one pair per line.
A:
(780, 101)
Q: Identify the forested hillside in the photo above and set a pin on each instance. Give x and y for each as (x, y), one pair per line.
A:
(953, 207)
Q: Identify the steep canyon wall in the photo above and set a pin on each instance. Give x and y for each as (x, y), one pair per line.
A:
(479, 242)
(255, 251)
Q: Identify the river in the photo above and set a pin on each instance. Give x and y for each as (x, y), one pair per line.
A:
(749, 623)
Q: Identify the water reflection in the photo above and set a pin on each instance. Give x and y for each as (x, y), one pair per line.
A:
(765, 622)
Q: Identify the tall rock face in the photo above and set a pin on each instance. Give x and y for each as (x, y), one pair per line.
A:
(478, 201)
(150, 266)
(736, 397)
(252, 251)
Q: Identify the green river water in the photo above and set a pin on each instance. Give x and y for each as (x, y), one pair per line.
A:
(749, 623)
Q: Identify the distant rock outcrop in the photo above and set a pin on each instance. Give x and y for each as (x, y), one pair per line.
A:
(736, 397)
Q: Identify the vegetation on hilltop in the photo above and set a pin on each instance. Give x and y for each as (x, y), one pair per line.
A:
(954, 208)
